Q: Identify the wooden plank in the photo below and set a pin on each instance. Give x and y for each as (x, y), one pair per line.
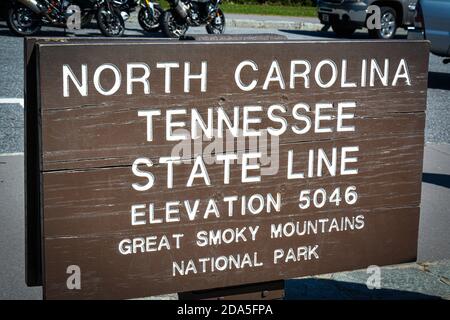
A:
(390, 239)
(33, 234)
(32, 161)
(66, 115)
(89, 144)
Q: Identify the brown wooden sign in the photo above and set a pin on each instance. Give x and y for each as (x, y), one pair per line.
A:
(177, 166)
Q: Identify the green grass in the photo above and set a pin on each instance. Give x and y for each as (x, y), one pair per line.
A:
(273, 10)
(263, 9)
(164, 4)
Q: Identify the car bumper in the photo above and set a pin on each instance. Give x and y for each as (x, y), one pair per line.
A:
(415, 34)
(419, 34)
(346, 12)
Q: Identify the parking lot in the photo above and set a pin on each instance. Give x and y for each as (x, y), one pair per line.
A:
(437, 133)
(11, 79)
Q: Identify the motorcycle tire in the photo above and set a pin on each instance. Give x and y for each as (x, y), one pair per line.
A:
(150, 24)
(27, 24)
(171, 28)
(216, 28)
(109, 30)
(86, 20)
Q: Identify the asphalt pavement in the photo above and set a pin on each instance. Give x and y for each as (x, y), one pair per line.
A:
(427, 279)
(11, 75)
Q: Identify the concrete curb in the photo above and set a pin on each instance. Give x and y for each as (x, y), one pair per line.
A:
(268, 24)
(264, 24)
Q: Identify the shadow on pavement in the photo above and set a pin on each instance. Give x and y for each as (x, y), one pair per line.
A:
(144, 33)
(92, 31)
(438, 80)
(42, 33)
(330, 34)
(442, 180)
(325, 289)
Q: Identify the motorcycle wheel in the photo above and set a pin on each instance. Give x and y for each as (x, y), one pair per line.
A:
(110, 23)
(217, 24)
(148, 23)
(22, 21)
(86, 20)
(171, 27)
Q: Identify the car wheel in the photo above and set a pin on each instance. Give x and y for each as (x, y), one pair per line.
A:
(343, 31)
(388, 24)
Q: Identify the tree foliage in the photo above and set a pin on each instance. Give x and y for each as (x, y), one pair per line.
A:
(309, 3)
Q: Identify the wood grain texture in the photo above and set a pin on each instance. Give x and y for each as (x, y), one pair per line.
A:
(89, 144)
(33, 227)
(65, 118)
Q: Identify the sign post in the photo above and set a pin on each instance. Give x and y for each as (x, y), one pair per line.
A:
(181, 166)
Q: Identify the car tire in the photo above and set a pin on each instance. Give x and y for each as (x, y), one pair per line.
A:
(388, 25)
(343, 31)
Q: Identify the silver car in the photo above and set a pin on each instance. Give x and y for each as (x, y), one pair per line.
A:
(432, 23)
(345, 16)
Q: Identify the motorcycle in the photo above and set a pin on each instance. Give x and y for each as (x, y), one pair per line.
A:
(192, 13)
(26, 17)
(149, 15)
(111, 17)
